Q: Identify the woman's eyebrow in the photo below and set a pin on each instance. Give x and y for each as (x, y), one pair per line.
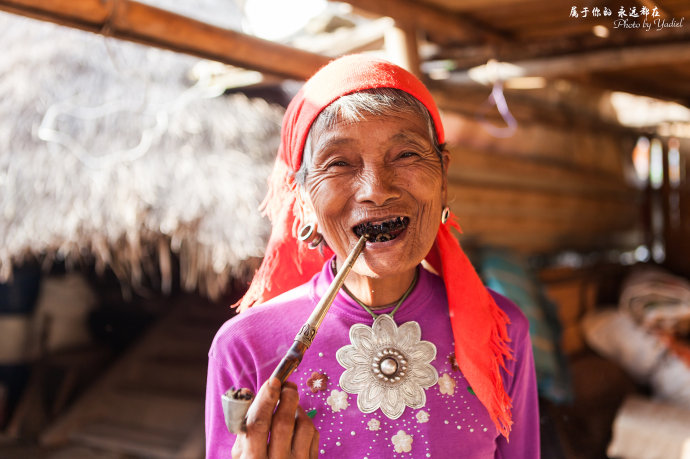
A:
(409, 136)
(332, 142)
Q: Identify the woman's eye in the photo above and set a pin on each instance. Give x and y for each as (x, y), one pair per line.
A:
(408, 154)
(339, 163)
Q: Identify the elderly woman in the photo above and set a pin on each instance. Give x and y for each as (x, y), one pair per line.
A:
(416, 358)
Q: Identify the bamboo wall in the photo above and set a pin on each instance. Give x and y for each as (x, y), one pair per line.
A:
(551, 186)
(544, 189)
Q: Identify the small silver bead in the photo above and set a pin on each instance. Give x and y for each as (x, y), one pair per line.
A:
(389, 366)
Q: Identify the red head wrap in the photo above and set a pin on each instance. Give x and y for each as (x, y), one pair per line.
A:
(479, 326)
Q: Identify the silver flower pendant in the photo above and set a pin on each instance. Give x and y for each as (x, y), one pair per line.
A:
(387, 366)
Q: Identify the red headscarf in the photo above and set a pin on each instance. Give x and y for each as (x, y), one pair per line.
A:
(479, 325)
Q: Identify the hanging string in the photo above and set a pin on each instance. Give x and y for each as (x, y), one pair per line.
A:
(497, 99)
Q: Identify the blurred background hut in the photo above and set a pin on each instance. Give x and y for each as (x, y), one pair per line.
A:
(130, 175)
(126, 153)
(127, 174)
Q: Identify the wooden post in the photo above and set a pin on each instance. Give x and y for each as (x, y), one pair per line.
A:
(402, 49)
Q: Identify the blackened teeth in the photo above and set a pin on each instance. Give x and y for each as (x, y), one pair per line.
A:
(381, 232)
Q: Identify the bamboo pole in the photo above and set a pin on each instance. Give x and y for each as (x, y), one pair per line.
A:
(578, 64)
(134, 21)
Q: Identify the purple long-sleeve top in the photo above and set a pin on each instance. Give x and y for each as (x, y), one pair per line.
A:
(452, 422)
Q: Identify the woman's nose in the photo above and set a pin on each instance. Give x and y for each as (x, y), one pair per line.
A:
(377, 186)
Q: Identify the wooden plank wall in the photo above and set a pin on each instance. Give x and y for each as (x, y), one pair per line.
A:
(553, 185)
(544, 189)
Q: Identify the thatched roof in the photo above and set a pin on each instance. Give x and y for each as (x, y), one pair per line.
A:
(107, 150)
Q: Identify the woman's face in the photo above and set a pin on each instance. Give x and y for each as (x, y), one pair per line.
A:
(381, 171)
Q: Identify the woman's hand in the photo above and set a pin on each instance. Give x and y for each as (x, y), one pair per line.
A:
(292, 432)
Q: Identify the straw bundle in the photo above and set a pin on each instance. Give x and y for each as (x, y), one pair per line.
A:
(109, 153)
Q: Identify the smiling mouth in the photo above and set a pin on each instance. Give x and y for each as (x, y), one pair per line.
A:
(382, 231)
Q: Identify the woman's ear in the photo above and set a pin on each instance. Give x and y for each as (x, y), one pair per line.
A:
(306, 208)
(445, 161)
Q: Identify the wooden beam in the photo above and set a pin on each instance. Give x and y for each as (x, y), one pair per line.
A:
(130, 20)
(582, 63)
(367, 36)
(473, 5)
(518, 50)
(527, 108)
(648, 87)
(438, 21)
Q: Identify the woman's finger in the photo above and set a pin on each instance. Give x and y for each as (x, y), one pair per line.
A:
(283, 422)
(259, 419)
(314, 450)
(238, 446)
(303, 439)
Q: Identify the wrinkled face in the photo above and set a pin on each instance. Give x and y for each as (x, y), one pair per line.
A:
(378, 175)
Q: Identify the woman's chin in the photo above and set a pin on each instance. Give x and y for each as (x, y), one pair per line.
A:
(394, 248)
(388, 258)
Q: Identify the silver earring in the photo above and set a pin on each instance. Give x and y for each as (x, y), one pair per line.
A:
(445, 215)
(315, 243)
(306, 232)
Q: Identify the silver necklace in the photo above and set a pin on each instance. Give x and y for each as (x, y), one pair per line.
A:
(387, 366)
